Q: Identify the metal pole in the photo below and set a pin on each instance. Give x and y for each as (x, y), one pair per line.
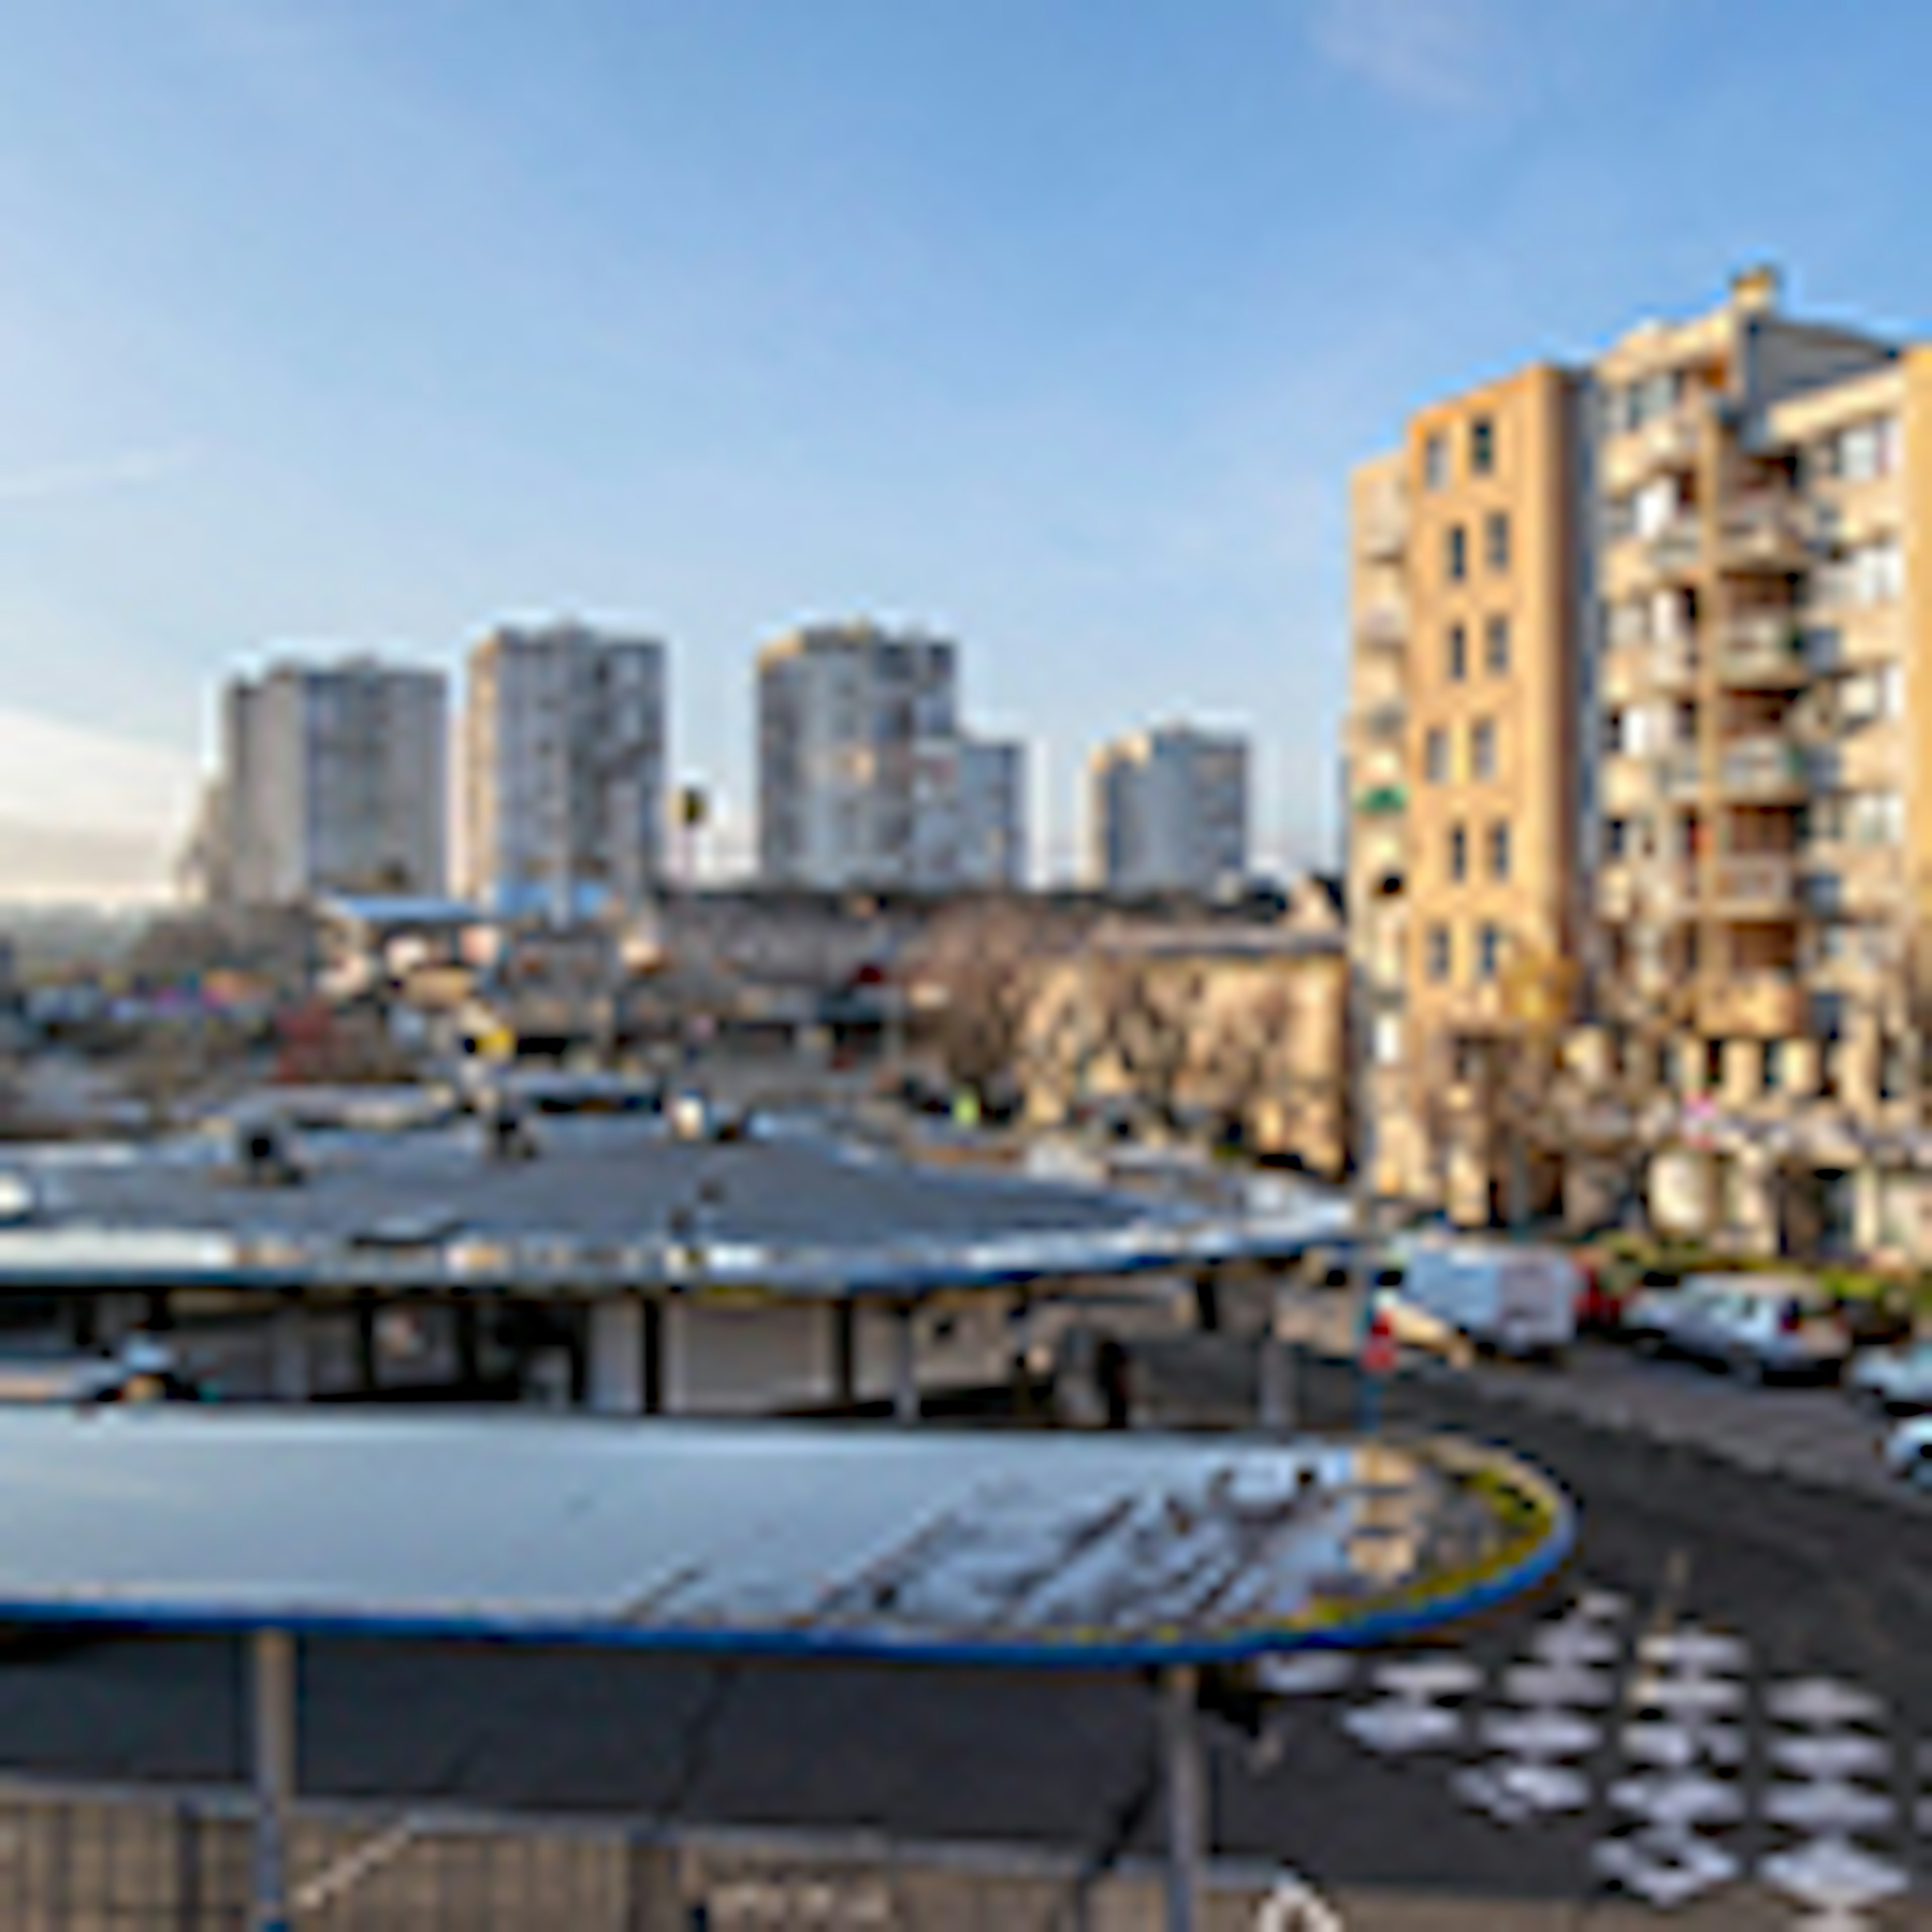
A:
(273, 1688)
(844, 1352)
(1275, 1412)
(1361, 1049)
(1186, 1796)
(905, 1366)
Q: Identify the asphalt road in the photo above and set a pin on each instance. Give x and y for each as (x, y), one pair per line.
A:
(1813, 1579)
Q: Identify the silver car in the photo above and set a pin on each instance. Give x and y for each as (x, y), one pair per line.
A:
(1898, 1380)
(1762, 1327)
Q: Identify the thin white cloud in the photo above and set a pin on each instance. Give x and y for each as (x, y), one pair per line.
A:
(123, 470)
(62, 774)
(1438, 53)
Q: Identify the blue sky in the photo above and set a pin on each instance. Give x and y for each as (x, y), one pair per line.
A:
(1053, 323)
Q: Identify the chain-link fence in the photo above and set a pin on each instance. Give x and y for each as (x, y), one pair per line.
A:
(75, 1860)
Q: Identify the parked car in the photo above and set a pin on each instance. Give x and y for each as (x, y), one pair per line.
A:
(1874, 1322)
(1907, 1451)
(1515, 1296)
(1898, 1380)
(1761, 1327)
(1610, 1285)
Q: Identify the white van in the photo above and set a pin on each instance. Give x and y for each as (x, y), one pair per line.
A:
(1513, 1297)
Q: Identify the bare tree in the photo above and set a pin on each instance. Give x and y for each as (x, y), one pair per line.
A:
(1146, 1012)
(1242, 1062)
(976, 970)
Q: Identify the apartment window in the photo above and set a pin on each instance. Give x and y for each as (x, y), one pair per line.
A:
(1616, 837)
(1773, 1073)
(1436, 960)
(1483, 749)
(1458, 853)
(1489, 952)
(1496, 539)
(1482, 446)
(1857, 453)
(1499, 850)
(1496, 645)
(1458, 654)
(1871, 573)
(1435, 755)
(1455, 553)
(1434, 460)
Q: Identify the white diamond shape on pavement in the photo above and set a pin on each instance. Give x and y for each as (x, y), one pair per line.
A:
(1575, 1643)
(1665, 1869)
(1541, 1733)
(1694, 1648)
(1314, 1673)
(1708, 1695)
(1657, 1741)
(1833, 1875)
(1428, 1676)
(1830, 1754)
(1403, 1726)
(1601, 1606)
(1824, 1702)
(1513, 1792)
(1558, 1683)
(1684, 1799)
(1828, 1806)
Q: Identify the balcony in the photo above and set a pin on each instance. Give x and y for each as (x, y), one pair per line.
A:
(1629, 785)
(1753, 1005)
(1383, 721)
(1382, 534)
(1681, 772)
(1764, 653)
(1841, 880)
(1669, 443)
(1674, 663)
(1616, 892)
(1674, 550)
(1763, 532)
(1764, 884)
(1647, 889)
(1768, 769)
(1384, 625)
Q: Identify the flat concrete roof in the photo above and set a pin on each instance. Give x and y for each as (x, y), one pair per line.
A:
(608, 1203)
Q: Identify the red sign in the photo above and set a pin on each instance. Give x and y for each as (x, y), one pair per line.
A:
(1378, 1347)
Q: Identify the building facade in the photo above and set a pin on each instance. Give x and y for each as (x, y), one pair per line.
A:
(992, 814)
(564, 771)
(866, 778)
(1168, 812)
(1223, 1025)
(1697, 949)
(333, 778)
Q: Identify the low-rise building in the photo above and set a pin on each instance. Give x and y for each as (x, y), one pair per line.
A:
(1210, 1025)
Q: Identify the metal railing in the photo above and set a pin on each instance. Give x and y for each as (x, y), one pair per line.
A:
(1769, 764)
(1763, 649)
(1383, 532)
(1765, 529)
(1765, 878)
(1383, 624)
(81, 1859)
